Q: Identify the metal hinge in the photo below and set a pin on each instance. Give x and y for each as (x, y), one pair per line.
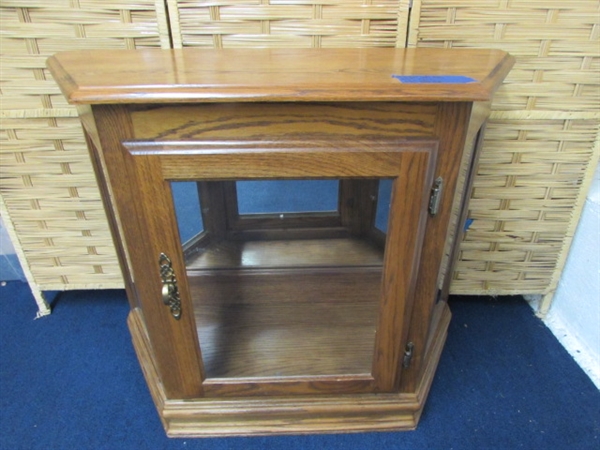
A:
(408, 353)
(436, 196)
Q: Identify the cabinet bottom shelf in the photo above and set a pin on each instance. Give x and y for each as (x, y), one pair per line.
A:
(293, 414)
(286, 323)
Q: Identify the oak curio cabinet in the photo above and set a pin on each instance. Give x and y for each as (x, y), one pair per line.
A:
(286, 221)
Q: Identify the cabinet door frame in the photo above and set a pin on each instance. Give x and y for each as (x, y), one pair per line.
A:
(153, 165)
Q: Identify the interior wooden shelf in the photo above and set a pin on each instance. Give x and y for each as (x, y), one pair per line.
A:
(291, 323)
(311, 310)
(285, 253)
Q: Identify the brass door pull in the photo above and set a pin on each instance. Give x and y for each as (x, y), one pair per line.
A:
(170, 293)
(167, 292)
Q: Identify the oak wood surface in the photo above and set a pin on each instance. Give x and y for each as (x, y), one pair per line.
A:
(92, 138)
(358, 205)
(451, 130)
(287, 322)
(286, 159)
(133, 191)
(278, 121)
(213, 203)
(287, 253)
(217, 116)
(227, 75)
(409, 162)
(205, 417)
(404, 244)
(476, 144)
(287, 308)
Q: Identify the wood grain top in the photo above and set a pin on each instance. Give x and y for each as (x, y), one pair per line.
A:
(233, 75)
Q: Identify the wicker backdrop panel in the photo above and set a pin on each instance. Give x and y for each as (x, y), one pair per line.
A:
(524, 206)
(288, 23)
(541, 144)
(538, 157)
(34, 30)
(46, 177)
(48, 184)
(555, 43)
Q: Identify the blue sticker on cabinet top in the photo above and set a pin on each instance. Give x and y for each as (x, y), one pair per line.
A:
(431, 79)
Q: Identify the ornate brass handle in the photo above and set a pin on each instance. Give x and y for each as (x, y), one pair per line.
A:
(170, 293)
(167, 292)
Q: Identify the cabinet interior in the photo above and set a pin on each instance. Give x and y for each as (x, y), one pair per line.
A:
(287, 298)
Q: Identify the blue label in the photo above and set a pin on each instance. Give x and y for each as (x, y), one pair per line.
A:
(432, 79)
(468, 224)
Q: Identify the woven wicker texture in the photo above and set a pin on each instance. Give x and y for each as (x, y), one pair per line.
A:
(288, 23)
(46, 177)
(556, 44)
(49, 185)
(34, 30)
(541, 144)
(540, 150)
(525, 204)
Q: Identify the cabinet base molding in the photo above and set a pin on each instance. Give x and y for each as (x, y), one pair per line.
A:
(210, 417)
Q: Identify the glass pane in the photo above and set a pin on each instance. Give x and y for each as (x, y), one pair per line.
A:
(287, 196)
(384, 198)
(187, 208)
(269, 305)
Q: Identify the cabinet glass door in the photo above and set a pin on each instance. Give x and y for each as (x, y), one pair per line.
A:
(285, 286)
(295, 262)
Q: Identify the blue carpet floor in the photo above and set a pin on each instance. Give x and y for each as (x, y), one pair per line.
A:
(72, 381)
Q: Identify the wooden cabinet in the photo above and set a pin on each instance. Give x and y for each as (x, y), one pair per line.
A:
(330, 316)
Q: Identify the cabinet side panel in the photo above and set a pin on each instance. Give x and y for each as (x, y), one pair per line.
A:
(136, 187)
(98, 163)
(464, 186)
(451, 130)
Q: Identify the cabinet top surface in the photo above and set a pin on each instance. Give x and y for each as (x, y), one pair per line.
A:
(232, 75)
